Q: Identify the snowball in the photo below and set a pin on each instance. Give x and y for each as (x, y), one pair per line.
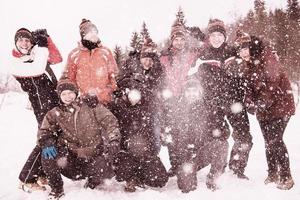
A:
(187, 168)
(216, 133)
(134, 96)
(236, 108)
(62, 162)
(168, 129)
(166, 93)
(169, 138)
(236, 157)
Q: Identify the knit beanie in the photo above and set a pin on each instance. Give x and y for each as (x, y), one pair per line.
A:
(242, 40)
(178, 30)
(86, 26)
(216, 25)
(23, 33)
(148, 48)
(66, 84)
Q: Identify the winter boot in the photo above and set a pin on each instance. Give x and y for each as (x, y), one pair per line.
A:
(285, 184)
(130, 186)
(187, 178)
(272, 178)
(31, 187)
(56, 194)
(43, 181)
(241, 175)
(210, 183)
(171, 172)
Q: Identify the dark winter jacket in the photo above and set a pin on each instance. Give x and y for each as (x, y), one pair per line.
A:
(153, 77)
(136, 121)
(176, 66)
(85, 131)
(269, 89)
(217, 85)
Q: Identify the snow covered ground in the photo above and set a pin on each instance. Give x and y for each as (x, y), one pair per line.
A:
(18, 134)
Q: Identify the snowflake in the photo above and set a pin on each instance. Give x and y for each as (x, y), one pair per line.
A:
(239, 60)
(57, 113)
(236, 108)
(256, 62)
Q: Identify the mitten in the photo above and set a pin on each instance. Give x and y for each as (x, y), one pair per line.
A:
(91, 100)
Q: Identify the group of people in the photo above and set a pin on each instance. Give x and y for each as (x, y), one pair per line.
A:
(99, 121)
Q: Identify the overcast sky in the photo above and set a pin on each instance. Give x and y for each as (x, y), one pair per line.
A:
(115, 19)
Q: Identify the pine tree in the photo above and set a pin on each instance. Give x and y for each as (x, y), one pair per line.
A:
(144, 32)
(260, 16)
(293, 40)
(119, 56)
(136, 42)
(293, 10)
(180, 17)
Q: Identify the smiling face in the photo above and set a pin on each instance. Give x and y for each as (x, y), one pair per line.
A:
(216, 39)
(24, 45)
(146, 62)
(178, 43)
(244, 53)
(67, 96)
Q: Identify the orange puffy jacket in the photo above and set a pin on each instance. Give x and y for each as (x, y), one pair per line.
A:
(93, 71)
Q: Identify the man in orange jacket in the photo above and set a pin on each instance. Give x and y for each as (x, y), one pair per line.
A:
(92, 66)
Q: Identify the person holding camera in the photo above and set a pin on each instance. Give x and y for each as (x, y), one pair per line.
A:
(33, 54)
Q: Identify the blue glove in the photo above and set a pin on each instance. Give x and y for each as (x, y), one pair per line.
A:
(49, 152)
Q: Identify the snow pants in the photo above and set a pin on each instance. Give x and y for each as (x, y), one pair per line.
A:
(213, 153)
(96, 169)
(276, 151)
(148, 170)
(242, 140)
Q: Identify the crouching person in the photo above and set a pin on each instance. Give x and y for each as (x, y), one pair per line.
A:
(138, 163)
(84, 147)
(200, 142)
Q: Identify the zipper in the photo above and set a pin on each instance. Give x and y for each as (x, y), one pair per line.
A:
(37, 92)
(75, 120)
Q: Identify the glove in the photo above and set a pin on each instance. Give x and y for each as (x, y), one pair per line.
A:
(91, 100)
(41, 37)
(49, 152)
